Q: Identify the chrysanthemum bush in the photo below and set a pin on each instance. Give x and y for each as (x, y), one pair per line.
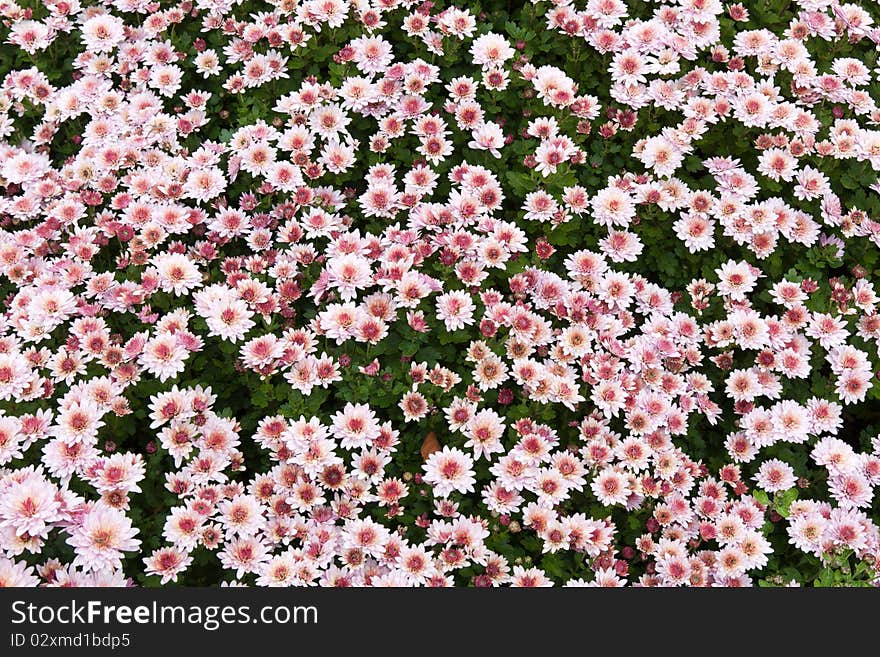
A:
(331, 292)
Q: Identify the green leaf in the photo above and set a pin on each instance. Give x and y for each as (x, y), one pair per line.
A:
(783, 501)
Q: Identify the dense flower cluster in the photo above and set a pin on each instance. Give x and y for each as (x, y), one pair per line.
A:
(388, 292)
